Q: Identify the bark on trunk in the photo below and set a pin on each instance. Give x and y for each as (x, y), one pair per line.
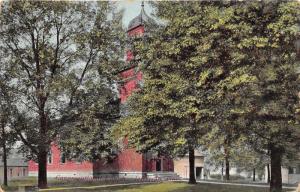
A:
(227, 167)
(192, 179)
(276, 179)
(268, 176)
(42, 174)
(222, 171)
(42, 96)
(253, 174)
(4, 159)
(42, 153)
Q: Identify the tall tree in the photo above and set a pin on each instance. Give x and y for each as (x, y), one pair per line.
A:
(271, 47)
(258, 88)
(53, 49)
(172, 120)
(220, 62)
(6, 134)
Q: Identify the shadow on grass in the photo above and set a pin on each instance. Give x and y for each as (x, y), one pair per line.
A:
(107, 189)
(201, 187)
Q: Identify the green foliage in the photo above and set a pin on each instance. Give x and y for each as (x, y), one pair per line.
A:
(274, 100)
(61, 56)
(230, 65)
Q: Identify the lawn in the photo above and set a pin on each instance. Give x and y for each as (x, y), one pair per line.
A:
(174, 187)
(28, 181)
(13, 185)
(57, 186)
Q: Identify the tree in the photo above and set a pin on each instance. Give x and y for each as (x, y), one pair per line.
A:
(258, 88)
(6, 134)
(210, 63)
(173, 120)
(95, 106)
(274, 30)
(222, 148)
(54, 49)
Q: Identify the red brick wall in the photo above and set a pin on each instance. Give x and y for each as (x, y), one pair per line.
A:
(168, 164)
(57, 166)
(130, 85)
(131, 75)
(126, 161)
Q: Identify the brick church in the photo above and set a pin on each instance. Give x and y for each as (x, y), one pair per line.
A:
(128, 163)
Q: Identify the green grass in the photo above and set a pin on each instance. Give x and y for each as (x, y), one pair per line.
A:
(55, 183)
(174, 187)
(160, 187)
(184, 187)
(28, 181)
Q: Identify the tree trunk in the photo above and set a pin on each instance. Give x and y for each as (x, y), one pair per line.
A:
(227, 167)
(222, 172)
(42, 153)
(4, 159)
(276, 180)
(253, 174)
(42, 174)
(192, 179)
(268, 170)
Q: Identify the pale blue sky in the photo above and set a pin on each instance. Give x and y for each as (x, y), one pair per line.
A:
(132, 9)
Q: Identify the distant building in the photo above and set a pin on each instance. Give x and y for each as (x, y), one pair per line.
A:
(17, 166)
(182, 168)
(290, 174)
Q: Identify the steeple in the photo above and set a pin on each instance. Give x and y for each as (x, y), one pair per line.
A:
(141, 19)
(142, 4)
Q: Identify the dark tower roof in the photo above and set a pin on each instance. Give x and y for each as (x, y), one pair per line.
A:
(141, 19)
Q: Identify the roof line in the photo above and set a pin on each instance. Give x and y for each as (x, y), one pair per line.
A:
(135, 27)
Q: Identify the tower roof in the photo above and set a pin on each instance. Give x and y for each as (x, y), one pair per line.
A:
(141, 19)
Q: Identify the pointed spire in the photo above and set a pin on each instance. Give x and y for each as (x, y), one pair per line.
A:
(141, 19)
(142, 11)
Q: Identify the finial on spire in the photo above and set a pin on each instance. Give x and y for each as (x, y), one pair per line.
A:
(142, 4)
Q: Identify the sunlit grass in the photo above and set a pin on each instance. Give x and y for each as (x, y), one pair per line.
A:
(184, 187)
(163, 187)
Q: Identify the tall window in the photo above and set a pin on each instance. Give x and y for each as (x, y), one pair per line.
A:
(62, 157)
(49, 157)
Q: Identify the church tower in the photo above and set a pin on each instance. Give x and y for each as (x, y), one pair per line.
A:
(130, 74)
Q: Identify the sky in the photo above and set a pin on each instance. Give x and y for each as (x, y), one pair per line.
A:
(132, 9)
